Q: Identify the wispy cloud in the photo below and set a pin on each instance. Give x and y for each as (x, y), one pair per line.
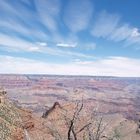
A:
(111, 66)
(109, 26)
(48, 11)
(90, 46)
(105, 24)
(121, 33)
(52, 29)
(42, 43)
(24, 23)
(16, 44)
(66, 45)
(28, 24)
(78, 14)
(114, 66)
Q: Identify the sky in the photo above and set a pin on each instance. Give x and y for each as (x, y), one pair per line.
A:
(70, 37)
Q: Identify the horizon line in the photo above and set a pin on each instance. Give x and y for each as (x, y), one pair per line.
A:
(68, 75)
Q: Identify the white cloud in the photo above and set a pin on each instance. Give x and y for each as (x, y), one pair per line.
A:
(90, 46)
(105, 24)
(110, 27)
(48, 11)
(78, 14)
(111, 66)
(129, 35)
(66, 45)
(121, 33)
(16, 44)
(41, 43)
(21, 22)
(135, 32)
(23, 30)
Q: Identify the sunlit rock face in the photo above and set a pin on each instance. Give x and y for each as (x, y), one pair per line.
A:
(13, 120)
(10, 120)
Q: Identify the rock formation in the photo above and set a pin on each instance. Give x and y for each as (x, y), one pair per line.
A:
(138, 129)
(13, 120)
(56, 105)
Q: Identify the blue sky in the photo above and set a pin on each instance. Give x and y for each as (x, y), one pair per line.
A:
(76, 37)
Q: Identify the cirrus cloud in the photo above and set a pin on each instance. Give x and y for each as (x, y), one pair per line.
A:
(78, 14)
(109, 26)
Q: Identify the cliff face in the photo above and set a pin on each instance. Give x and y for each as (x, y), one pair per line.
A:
(18, 123)
(53, 108)
(10, 120)
(14, 122)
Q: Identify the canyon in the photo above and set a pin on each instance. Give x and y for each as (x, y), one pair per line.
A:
(114, 98)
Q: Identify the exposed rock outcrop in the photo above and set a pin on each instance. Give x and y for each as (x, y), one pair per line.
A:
(55, 106)
(2, 94)
(10, 121)
(13, 120)
(138, 129)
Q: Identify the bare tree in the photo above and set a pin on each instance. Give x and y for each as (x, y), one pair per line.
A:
(138, 127)
(93, 129)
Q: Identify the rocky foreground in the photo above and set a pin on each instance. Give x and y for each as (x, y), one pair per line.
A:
(17, 123)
